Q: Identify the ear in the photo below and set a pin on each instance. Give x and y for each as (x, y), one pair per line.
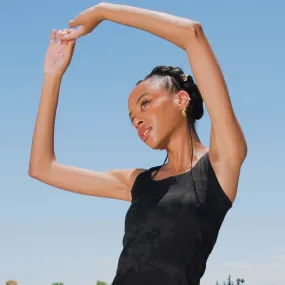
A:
(183, 99)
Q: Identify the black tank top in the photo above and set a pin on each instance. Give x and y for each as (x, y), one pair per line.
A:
(167, 238)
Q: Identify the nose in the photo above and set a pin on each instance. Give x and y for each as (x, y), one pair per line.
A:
(137, 122)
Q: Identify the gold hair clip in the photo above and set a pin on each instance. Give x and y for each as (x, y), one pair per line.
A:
(185, 77)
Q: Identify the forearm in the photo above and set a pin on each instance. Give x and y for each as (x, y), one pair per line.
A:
(42, 151)
(172, 28)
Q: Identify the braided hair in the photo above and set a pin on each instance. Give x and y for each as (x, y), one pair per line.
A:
(174, 80)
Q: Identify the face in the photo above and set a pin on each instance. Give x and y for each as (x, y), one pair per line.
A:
(155, 114)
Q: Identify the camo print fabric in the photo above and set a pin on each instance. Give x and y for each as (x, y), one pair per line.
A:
(167, 240)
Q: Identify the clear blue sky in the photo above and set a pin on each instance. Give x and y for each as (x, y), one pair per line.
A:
(50, 235)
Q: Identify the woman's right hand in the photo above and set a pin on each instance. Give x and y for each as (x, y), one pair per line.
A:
(59, 54)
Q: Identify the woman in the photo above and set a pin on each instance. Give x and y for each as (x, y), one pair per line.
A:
(176, 209)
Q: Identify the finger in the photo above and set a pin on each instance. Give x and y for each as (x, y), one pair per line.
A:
(72, 23)
(52, 37)
(75, 34)
(75, 22)
(58, 36)
(66, 32)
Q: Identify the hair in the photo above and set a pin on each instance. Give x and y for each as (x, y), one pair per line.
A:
(174, 80)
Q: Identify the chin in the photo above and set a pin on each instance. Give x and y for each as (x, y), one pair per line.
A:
(156, 144)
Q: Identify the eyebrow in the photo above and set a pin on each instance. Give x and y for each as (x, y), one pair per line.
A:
(141, 96)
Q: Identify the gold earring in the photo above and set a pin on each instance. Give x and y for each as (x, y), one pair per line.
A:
(184, 112)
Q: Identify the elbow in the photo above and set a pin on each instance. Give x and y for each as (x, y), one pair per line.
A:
(33, 173)
(37, 171)
(195, 28)
(192, 31)
(39, 166)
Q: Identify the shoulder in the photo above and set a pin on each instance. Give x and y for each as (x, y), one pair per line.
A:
(132, 180)
(134, 175)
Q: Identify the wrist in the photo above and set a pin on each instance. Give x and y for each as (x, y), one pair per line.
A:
(100, 10)
(52, 77)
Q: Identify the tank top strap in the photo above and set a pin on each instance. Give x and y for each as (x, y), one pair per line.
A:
(153, 169)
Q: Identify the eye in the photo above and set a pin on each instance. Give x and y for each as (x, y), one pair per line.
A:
(143, 102)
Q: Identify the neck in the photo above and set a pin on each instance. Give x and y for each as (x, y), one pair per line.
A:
(179, 150)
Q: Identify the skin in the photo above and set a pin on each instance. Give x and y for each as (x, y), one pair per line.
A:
(162, 111)
(227, 150)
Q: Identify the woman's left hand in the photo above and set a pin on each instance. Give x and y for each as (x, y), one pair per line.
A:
(88, 20)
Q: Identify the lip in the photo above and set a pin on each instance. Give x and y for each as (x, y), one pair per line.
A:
(142, 131)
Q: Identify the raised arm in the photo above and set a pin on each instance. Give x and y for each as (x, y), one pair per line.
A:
(227, 142)
(227, 145)
(43, 165)
(187, 34)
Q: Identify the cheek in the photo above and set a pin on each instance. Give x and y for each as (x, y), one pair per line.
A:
(163, 119)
